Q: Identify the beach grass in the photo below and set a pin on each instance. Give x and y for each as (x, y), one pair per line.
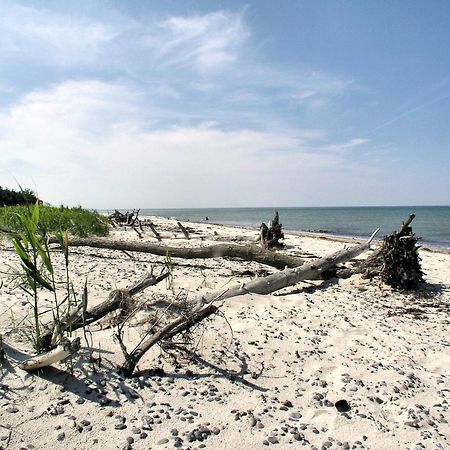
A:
(77, 221)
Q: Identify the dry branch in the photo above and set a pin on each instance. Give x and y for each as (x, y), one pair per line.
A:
(170, 330)
(203, 306)
(183, 229)
(66, 348)
(117, 299)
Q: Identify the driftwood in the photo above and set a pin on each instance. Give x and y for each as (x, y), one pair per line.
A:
(66, 348)
(152, 227)
(80, 318)
(289, 277)
(396, 261)
(183, 229)
(172, 329)
(271, 235)
(245, 252)
(203, 306)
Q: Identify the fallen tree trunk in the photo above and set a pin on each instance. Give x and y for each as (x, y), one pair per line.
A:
(288, 277)
(247, 252)
(117, 299)
(203, 306)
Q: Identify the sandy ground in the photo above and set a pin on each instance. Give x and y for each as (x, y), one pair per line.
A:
(267, 372)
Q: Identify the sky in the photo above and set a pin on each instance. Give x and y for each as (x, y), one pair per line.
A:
(169, 104)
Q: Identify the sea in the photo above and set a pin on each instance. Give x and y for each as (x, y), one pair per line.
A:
(432, 223)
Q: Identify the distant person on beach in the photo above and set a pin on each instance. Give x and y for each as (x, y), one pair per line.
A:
(206, 218)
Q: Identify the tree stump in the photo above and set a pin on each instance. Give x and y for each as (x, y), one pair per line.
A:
(271, 235)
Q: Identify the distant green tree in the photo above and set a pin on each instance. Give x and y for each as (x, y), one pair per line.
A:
(10, 197)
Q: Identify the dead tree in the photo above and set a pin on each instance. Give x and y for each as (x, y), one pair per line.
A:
(245, 252)
(78, 318)
(396, 262)
(271, 235)
(203, 306)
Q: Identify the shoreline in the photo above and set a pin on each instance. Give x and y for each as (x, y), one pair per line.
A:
(427, 246)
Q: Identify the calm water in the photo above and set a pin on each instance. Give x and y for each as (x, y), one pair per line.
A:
(432, 223)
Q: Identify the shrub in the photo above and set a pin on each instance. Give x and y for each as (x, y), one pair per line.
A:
(10, 197)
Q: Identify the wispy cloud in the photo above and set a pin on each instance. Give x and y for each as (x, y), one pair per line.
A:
(208, 41)
(48, 38)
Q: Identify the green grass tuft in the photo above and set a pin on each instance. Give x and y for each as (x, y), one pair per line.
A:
(77, 221)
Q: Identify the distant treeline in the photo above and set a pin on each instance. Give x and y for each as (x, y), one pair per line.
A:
(10, 197)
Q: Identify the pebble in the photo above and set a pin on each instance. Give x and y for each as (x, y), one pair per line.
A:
(162, 441)
(61, 436)
(12, 409)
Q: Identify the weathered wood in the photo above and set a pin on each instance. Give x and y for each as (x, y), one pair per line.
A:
(245, 252)
(152, 227)
(271, 235)
(117, 298)
(66, 348)
(183, 229)
(203, 306)
(287, 277)
(170, 330)
(373, 265)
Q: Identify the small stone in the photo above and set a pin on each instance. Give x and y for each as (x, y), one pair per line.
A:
(120, 426)
(61, 436)
(342, 406)
(12, 409)
(273, 439)
(163, 441)
(143, 435)
(130, 440)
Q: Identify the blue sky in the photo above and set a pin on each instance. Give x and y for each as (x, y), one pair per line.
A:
(220, 103)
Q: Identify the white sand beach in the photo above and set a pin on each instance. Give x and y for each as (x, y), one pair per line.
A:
(267, 372)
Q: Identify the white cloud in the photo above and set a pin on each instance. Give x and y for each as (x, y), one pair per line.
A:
(84, 142)
(49, 38)
(207, 41)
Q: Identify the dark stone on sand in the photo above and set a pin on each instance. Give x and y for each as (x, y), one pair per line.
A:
(61, 436)
(163, 441)
(342, 406)
(12, 409)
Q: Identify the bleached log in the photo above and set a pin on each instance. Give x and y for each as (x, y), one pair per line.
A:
(203, 306)
(288, 277)
(66, 348)
(245, 252)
